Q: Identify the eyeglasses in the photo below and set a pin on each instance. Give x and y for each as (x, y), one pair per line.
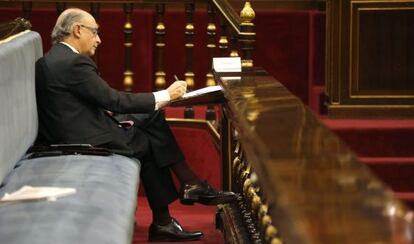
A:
(93, 30)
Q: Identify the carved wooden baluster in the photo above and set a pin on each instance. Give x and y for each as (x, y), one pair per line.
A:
(128, 74)
(60, 7)
(247, 35)
(189, 45)
(223, 41)
(27, 10)
(234, 46)
(160, 82)
(211, 33)
(95, 8)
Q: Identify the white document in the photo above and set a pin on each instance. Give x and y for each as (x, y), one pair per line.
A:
(231, 78)
(36, 193)
(228, 64)
(202, 91)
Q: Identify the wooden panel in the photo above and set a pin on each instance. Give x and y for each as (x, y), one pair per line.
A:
(383, 52)
(370, 58)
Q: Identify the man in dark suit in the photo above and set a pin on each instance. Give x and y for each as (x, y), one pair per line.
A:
(74, 104)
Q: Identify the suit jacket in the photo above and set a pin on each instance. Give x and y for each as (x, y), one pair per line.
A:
(72, 99)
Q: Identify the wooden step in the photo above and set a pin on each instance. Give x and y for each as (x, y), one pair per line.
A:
(397, 172)
(375, 138)
(407, 197)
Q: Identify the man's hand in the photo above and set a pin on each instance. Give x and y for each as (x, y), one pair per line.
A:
(177, 89)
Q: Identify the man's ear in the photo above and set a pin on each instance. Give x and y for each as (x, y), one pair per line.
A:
(76, 31)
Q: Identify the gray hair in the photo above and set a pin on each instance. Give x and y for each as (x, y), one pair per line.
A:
(64, 24)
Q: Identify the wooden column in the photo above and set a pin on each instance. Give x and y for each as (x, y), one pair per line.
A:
(226, 152)
(234, 46)
(27, 10)
(60, 7)
(247, 35)
(223, 41)
(211, 34)
(95, 8)
(128, 74)
(160, 82)
(189, 45)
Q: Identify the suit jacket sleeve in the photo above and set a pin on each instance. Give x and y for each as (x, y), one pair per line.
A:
(86, 83)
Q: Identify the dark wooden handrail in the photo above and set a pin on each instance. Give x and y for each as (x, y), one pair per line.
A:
(299, 183)
(228, 12)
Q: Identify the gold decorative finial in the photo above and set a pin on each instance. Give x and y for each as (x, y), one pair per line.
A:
(160, 26)
(189, 79)
(128, 80)
(247, 14)
(160, 82)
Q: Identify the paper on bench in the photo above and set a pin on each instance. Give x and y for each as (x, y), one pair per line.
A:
(202, 91)
(36, 193)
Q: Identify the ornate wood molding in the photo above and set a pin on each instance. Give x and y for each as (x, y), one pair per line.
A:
(369, 58)
(14, 27)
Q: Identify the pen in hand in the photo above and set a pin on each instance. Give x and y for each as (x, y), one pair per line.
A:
(176, 79)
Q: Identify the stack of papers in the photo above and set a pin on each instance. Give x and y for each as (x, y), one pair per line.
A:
(202, 91)
(227, 64)
(27, 193)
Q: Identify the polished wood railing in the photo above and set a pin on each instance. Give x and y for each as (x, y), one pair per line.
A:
(298, 182)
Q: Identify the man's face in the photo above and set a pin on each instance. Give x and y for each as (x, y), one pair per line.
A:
(89, 36)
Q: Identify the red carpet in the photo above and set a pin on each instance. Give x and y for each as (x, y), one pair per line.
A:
(192, 218)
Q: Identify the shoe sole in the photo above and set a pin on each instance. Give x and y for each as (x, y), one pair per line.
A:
(208, 201)
(169, 239)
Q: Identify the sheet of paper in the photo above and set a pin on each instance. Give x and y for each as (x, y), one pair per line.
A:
(231, 78)
(202, 91)
(228, 64)
(35, 193)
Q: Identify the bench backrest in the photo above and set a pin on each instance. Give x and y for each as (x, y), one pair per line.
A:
(18, 113)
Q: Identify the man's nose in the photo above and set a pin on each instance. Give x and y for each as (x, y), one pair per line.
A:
(98, 39)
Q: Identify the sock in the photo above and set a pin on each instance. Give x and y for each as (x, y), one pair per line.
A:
(161, 216)
(184, 173)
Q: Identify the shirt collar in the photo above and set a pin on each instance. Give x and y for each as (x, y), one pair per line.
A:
(72, 48)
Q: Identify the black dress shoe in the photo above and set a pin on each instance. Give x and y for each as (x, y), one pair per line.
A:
(171, 232)
(203, 193)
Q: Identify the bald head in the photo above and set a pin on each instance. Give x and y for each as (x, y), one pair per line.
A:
(65, 21)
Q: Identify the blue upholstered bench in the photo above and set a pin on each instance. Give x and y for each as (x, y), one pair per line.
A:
(101, 211)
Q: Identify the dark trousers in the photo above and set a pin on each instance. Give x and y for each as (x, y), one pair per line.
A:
(155, 145)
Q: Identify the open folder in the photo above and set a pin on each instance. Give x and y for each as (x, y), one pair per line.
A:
(203, 96)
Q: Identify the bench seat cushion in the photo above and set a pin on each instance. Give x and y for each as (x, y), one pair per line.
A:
(101, 211)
